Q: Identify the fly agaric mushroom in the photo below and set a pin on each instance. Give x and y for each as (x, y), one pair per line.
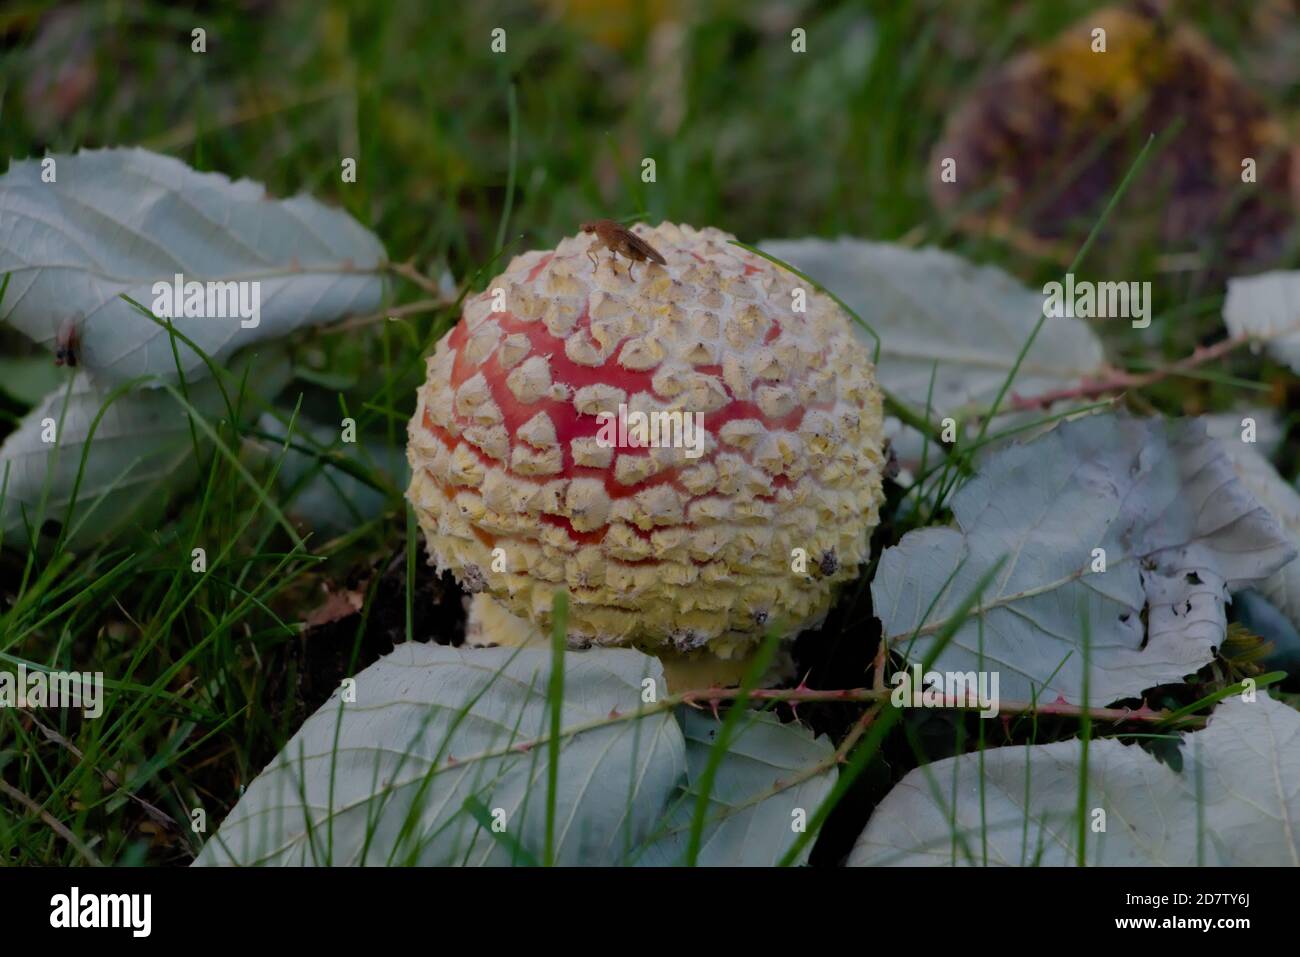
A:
(551, 447)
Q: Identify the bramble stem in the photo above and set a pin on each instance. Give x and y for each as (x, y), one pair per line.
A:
(1120, 380)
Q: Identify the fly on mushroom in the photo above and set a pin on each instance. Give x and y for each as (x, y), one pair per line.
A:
(620, 241)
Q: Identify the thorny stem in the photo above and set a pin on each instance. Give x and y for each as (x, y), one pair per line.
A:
(879, 698)
(1119, 380)
(408, 272)
(396, 312)
(439, 299)
(1061, 708)
(701, 697)
(855, 734)
(868, 717)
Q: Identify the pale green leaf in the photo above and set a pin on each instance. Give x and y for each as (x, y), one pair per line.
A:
(385, 779)
(118, 221)
(1176, 530)
(1235, 802)
(771, 780)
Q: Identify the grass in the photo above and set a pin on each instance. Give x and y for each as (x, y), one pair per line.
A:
(464, 159)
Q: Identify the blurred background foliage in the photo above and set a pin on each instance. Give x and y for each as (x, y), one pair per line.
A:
(456, 145)
(746, 134)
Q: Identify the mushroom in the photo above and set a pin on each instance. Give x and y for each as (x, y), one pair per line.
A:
(694, 454)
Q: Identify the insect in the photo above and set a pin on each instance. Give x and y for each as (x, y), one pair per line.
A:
(620, 241)
(67, 342)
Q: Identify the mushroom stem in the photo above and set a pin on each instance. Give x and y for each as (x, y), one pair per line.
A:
(491, 624)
